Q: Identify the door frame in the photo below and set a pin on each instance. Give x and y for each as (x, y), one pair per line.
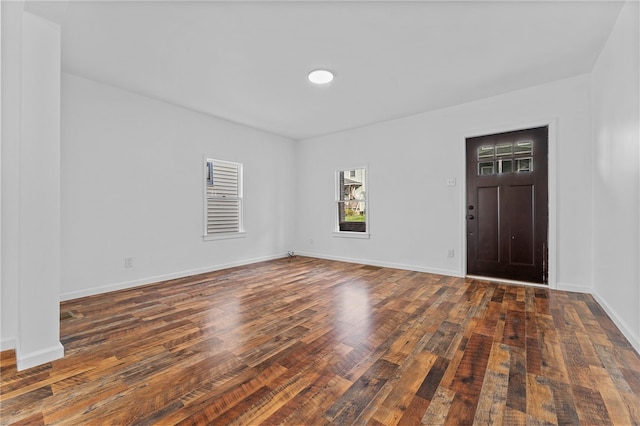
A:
(552, 192)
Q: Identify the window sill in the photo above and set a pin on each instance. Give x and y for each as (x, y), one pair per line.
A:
(228, 236)
(347, 234)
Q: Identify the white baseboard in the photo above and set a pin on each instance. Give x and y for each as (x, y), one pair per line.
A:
(622, 326)
(573, 288)
(154, 279)
(447, 272)
(39, 357)
(7, 344)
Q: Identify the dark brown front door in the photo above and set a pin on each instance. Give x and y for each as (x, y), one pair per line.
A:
(507, 205)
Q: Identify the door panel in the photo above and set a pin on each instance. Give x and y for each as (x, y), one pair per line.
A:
(488, 226)
(507, 205)
(521, 224)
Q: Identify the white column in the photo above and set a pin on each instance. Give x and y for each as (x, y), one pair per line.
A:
(39, 200)
(11, 64)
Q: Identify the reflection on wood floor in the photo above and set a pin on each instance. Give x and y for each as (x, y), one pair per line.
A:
(308, 341)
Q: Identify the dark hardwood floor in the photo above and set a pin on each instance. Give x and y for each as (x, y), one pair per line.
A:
(308, 341)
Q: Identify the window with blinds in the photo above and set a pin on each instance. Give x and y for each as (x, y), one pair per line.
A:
(223, 204)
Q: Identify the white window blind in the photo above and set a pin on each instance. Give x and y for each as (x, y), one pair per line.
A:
(223, 197)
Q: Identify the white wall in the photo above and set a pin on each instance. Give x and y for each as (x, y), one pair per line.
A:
(415, 219)
(31, 179)
(616, 177)
(132, 187)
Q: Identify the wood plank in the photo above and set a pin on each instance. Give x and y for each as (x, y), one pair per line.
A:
(541, 409)
(514, 417)
(431, 382)
(589, 405)
(349, 406)
(616, 407)
(391, 410)
(470, 373)
(491, 407)
(440, 406)
(514, 329)
(312, 407)
(415, 412)
(467, 383)
(565, 405)
(442, 338)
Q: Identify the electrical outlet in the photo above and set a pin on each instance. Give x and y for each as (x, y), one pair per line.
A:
(451, 252)
(128, 262)
(451, 182)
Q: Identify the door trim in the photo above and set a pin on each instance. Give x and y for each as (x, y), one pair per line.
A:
(552, 192)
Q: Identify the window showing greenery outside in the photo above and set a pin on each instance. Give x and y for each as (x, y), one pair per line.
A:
(352, 200)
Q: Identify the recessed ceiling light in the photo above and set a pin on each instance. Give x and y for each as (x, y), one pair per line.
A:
(320, 76)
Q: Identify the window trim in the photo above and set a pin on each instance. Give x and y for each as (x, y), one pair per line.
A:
(337, 190)
(241, 233)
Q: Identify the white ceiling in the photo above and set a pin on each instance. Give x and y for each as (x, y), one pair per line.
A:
(247, 61)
